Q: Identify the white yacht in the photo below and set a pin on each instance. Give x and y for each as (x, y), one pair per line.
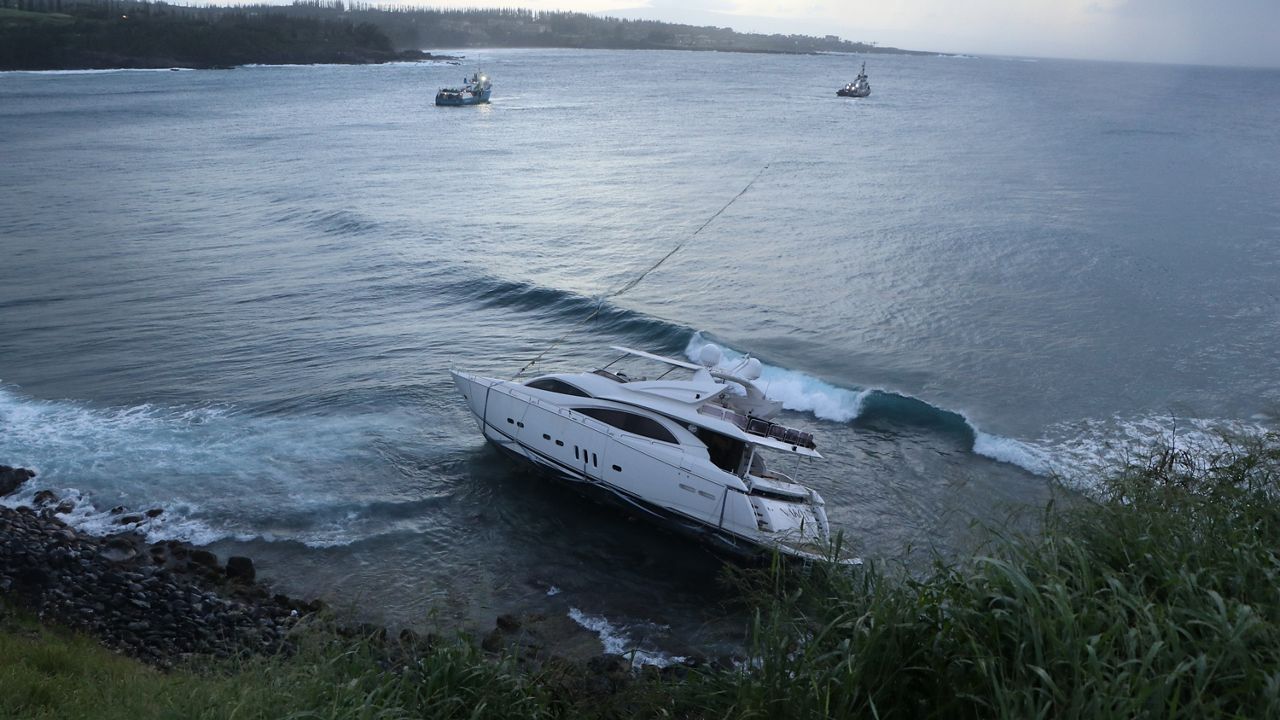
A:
(689, 453)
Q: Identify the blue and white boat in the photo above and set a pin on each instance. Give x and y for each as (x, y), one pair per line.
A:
(473, 92)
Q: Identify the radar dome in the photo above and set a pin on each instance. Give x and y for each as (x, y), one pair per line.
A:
(709, 356)
(751, 369)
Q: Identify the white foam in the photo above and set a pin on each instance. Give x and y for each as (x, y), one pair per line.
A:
(181, 521)
(1014, 452)
(796, 390)
(617, 642)
(176, 521)
(1080, 452)
(196, 463)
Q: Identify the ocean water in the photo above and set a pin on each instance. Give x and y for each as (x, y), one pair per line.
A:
(235, 295)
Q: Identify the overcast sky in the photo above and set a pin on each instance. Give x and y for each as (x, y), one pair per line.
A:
(1218, 32)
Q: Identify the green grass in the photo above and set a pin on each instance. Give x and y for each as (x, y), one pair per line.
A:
(49, 673)
(1157, 598)
(17, 18)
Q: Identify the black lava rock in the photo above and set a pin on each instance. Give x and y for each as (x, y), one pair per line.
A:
(240, 568)
(12, 478)
(205, 558)
(45, 497)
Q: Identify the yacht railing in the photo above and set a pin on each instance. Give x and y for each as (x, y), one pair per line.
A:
(761, 427)
(721, 413)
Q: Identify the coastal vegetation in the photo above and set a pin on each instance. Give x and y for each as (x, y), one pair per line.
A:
(98, 35)
(70, 34)
(425, 27)
(1156, 595)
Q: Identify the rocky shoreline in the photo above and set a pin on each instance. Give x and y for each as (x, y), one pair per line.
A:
(167, 602)
(158, 602)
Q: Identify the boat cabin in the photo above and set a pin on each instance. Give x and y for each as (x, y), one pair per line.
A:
(694, 410)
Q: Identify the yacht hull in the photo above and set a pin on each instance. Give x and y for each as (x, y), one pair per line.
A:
(722, 543)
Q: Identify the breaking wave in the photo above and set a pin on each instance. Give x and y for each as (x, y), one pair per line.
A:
(1080, 451)
(804, 393)
(617, 640)
(1074, 452)
(800, 392)
(197, 465)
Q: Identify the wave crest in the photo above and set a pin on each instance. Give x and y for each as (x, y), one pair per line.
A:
(617, 640)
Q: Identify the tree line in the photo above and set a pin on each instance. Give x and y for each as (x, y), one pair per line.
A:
(80, 34)
(53, 34)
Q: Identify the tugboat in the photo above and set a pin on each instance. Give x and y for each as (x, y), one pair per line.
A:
(859, 88)
(473, 92)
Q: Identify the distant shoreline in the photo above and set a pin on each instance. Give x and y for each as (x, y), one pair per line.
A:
(135, 34)
(160, 64)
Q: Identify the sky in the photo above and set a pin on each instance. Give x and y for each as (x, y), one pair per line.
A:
(1212, 32)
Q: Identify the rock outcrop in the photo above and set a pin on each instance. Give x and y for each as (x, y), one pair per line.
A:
(159, 602)
(12, 478)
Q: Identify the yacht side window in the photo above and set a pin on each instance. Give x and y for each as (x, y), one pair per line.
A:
(555, 386)
(630, 422)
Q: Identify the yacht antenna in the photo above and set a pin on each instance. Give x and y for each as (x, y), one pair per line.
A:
(636, 280)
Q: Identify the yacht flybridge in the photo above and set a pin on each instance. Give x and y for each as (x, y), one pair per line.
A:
(690, 453)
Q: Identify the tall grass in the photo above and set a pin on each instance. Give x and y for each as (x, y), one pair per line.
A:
(48, 673)
(1159, 597)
